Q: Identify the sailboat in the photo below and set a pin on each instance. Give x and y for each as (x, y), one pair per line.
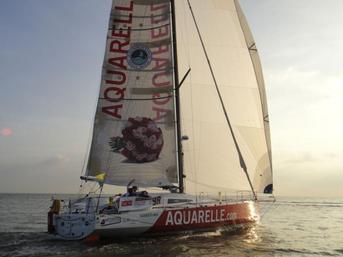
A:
(181, 125)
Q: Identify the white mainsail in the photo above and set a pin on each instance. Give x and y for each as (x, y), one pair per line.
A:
(210, 158)
(134, 130)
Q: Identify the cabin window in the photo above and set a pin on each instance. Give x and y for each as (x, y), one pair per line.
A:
(179, 200)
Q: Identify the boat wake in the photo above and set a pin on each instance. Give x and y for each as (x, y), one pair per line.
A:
(20, 244)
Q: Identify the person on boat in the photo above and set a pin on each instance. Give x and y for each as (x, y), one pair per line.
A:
(144, 194)
(110, 207)
(130, 192)
(134, 190)
(54, 209)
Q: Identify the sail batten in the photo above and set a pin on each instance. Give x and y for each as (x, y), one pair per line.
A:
(141, 29)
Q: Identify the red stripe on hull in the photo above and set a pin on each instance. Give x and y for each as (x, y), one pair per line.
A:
(205, 217)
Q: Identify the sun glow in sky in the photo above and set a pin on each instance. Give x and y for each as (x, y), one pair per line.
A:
(51, 56)
(6, 132)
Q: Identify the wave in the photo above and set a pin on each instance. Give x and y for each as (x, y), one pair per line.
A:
(20, 244)
(305, 251)
(311, 203)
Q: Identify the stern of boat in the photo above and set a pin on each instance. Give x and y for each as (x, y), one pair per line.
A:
(73, 221)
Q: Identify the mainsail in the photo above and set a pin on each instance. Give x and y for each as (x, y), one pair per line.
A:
(210, 156)
(134, 129)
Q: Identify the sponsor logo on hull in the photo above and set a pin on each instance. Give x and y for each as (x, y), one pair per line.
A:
(198, 216)
(204, 217)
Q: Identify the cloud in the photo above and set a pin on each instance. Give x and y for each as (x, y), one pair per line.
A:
(293, 88)
(57, 173)
(305, 111)
(285, 158)
(298, 182)
(54, 160)
(301, 158)
(332, 155)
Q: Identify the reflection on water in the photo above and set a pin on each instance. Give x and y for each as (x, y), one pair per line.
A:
(302, 227)
(252, 236)
(201, 244)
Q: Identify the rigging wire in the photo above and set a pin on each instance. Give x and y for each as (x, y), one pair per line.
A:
(272, 207)
(89, 141)
(90, 187)
(224, 189)
(184, 30)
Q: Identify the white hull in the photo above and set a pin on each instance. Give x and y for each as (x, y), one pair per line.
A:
(156, 219)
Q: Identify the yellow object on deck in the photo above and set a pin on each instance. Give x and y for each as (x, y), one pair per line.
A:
(110, 201)
(101, 177)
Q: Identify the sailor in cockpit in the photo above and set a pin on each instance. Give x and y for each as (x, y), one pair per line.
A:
(133, 191)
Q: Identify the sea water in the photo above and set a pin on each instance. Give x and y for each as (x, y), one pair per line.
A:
(291, 227)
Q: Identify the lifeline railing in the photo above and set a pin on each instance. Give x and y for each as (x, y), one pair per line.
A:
(96, 204)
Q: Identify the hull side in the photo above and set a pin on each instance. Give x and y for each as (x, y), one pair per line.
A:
(205, 217)
(179, 220)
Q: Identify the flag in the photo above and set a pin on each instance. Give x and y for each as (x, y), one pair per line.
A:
(101, 177)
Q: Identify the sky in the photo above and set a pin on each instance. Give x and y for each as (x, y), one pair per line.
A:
(51, 54)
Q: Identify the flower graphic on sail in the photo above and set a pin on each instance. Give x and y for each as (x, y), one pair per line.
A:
(141, 140)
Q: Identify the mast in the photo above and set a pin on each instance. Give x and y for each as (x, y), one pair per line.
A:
(177, 101)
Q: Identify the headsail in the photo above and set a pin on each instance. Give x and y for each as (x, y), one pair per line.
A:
(134, 129)
(210, 157)
(263, 182)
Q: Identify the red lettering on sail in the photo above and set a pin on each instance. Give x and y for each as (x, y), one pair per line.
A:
(117, 47)
(161, 49)
(158, 100)
(125, 8)
(156, 7)
(118, 61)
(113, 110)
(161, 79)
(116, 91)
(124, 19)
(119, 77)
(160, 113)
(160, 31)
(160, 63)
(124, 33)
(159, 18)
